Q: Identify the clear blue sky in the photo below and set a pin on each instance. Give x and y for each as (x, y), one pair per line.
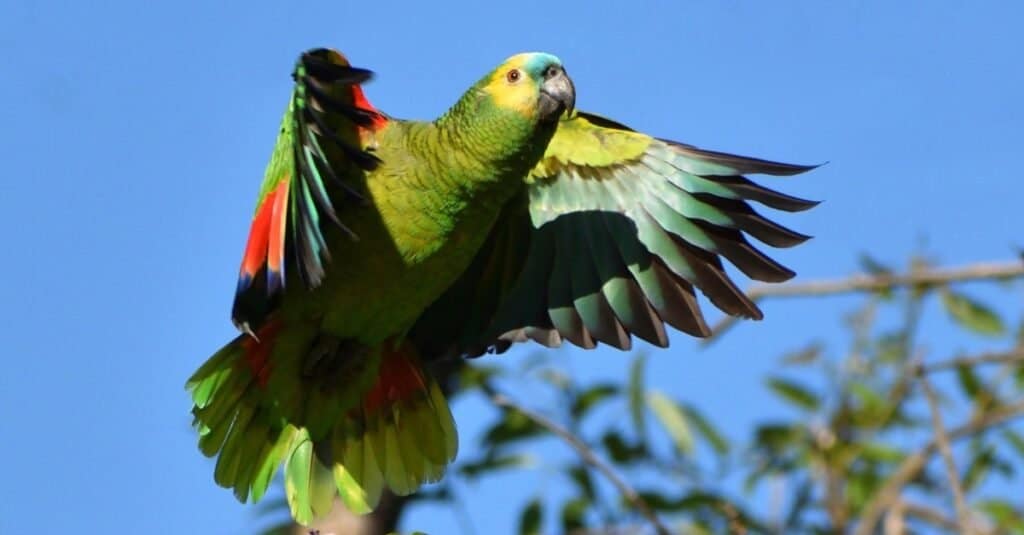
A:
(135, 137)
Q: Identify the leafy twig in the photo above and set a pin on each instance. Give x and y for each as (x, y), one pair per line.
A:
(586, 453)
(912, 465)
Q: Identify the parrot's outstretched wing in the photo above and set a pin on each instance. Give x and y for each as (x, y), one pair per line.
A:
(319, 155)
(616, 231)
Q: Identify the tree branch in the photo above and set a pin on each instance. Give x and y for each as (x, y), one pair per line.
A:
(1008, 357)
(942, 442)
(929, 515)
(586, 453)
(912, 465)
(875, 283)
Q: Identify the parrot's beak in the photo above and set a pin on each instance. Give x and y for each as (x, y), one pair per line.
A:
(557, 94)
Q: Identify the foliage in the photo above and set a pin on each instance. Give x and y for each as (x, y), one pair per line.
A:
(866, 449)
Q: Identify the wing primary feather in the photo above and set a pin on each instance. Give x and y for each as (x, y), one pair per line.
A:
(645, 321)
(752, 191)
(748, 220)
(317, 192)
(316, 63)
(561, 307)
(681, 309)
(359, 156)
(731, 244)
(741, 164)
(312, 143)
(328, 102)
(714, 282)
(306, 230)
(308, 170)
(590, 260)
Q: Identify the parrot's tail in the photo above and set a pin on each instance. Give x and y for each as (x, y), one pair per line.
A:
(344, 422)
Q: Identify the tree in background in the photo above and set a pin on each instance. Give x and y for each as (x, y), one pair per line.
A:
(891, 436)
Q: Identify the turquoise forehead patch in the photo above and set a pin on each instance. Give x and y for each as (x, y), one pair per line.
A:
(538, 61)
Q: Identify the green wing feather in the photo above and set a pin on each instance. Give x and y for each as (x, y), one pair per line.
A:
(315, 168)
(623, 230)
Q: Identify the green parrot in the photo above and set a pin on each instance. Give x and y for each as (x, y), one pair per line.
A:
(380, 244)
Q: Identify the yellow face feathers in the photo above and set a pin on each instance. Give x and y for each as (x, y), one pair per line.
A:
(516, 83)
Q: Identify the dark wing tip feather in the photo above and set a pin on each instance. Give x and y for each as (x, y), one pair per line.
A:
(319, 75)
(742, 164)
(748, 220)
(752, 191)
(731, 244)
(322, 63)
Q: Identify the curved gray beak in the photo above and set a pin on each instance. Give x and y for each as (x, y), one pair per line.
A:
(557, 94)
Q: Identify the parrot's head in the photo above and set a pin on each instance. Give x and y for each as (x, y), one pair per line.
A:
(533, 84)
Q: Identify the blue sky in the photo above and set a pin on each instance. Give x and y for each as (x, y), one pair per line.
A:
(135, 139)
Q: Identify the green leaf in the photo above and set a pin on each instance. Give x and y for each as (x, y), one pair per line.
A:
(969, 382)
(556, 379)
(531, 517)
(981, 463)
(471, 377)
(656, 500)
(493, 463)
(861, 486)
(871, 408)
(573, 512)
(794, 393)
(1015, 440)
(1004, 513)
(776, 436)
(875, 268)
(619, 450)
(807, 355)
(972, 315)
(590, 397)
(892, 346)
(872, 266)
(513, 426)
(581, 476)
(636, 396)
(673, 419)
(880, 452)
(706, 430)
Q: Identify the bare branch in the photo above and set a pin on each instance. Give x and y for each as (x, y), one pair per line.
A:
(929, 515)
(875, 283)
(1009, 357)
(586, 453)
(942, 442)
(912, 465)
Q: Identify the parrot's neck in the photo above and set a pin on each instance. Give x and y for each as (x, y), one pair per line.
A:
(494, 145)
(464, 168)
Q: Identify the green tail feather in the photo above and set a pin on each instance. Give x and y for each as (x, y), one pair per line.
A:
(355, 453)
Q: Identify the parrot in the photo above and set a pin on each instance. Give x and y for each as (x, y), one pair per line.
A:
(380, 245)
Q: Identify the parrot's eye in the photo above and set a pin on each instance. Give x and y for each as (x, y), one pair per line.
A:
(512, 76)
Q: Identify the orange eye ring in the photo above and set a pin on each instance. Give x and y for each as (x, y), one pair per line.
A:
(512, 76)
